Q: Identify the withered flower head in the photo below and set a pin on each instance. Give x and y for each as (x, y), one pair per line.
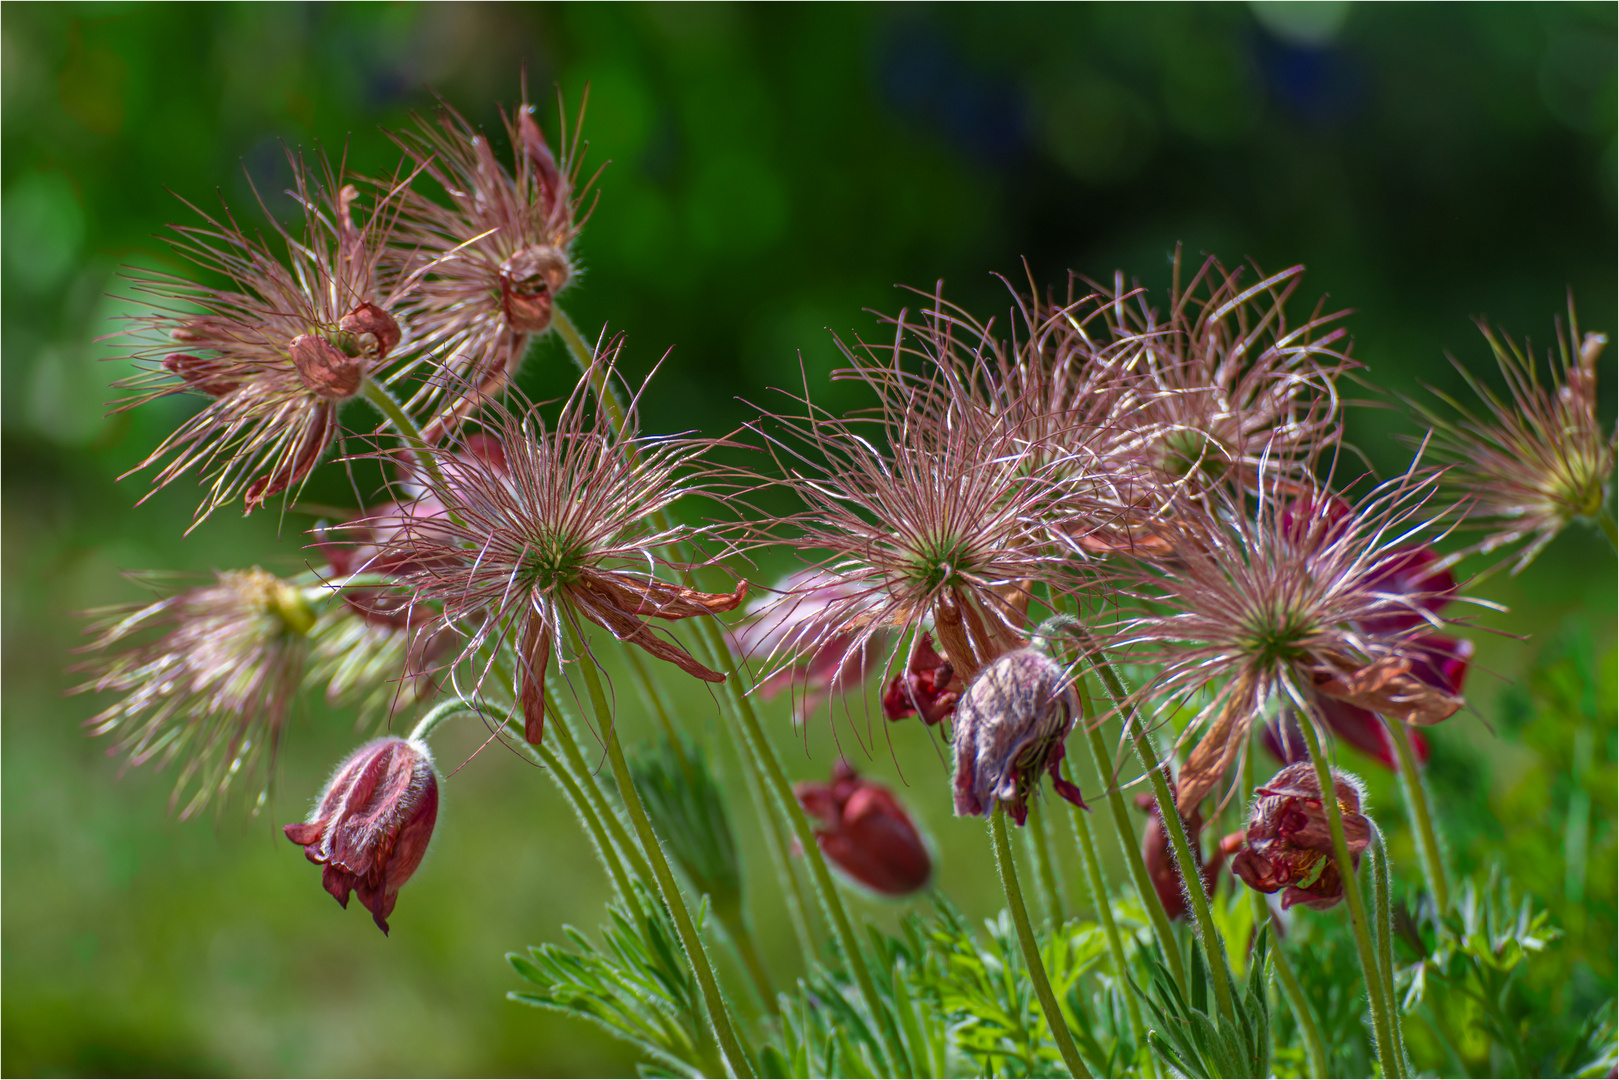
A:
(866, 833)
(1228, 387)
(1268, 601)
(1010, 727)
(486, 268)
(1289, 842)
(928, 686)
(1527, 465)
(214, 686)
(276, 353)
(371, 827)
(558, 526)
(791, 626)
(920, 513)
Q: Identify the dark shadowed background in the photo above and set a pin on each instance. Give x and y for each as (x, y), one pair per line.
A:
(769, 172)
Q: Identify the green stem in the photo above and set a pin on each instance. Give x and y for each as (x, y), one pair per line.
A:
(1169, 813)
(1132, 859)
(1031, 949)
(1357, 910)
(776, 782)
(545, 757)
(584, 358)
(1315, 1050)
(719, 1014)
(561, 729)
(385, 403)
(1041, 844)
(1383, 919)
(1416, 798)
(1091, 865)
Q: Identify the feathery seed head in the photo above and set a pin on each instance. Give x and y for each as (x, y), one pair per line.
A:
(1527, 465)
(275, 353)
(207, 676)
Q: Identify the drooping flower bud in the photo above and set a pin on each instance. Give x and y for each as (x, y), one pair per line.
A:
(867, 833)
(1010, 726)
(371, 827)
(1289, 842)
(924, 687)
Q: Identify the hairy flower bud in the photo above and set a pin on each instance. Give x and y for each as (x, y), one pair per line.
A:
(1010, 726)
(867, 833)
(371, 827)
(1289, 841)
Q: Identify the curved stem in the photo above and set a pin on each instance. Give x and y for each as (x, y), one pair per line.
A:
(1169, 813)
(1091, 865)
(385, 403)
(1041, 844)
(719, 1014)
(1357, 910)
(545, 757)
(1416, 798)
(563, 730)
(1031, 949)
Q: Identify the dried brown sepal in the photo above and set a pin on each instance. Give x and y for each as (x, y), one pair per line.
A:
(535, 657)
(1387, 687)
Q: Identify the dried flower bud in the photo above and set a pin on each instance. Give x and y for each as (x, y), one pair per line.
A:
(923, 688)
(375, 330)
(867, 833)
(325, 369)
(1010, 726)
(201, 373)
(529, 281)
(373, 823)
(1289, 842)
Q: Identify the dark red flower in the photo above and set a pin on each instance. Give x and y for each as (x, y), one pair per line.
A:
(1289, 843)
(373, 823)
(867, 833)
(924, 687)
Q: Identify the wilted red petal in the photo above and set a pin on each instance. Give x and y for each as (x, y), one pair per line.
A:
(370, 319)
(322, 429)
(535, 656)
(209, 376)
(325, 369)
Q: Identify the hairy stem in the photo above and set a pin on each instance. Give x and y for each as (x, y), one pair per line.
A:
(1138, 866)
(1386, 1055)
(1416, 798)
(719, 1013)
(1091, 867)
(1383, 919)
(1169, 813)
(1031, 949)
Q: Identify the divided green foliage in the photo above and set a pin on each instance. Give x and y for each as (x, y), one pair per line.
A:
(1468, 985)
(1192, 1038)
(638, 988)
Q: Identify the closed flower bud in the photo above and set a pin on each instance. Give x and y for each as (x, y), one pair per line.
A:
(867, 833)
(1010, 726)
(1289, 842)
(373, 823)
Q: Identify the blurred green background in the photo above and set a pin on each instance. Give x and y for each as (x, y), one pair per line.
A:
(771, 171)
